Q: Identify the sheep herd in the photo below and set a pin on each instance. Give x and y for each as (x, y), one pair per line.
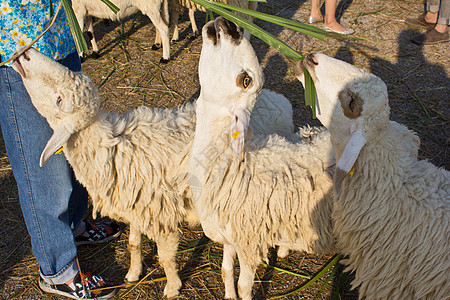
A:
(249, 179)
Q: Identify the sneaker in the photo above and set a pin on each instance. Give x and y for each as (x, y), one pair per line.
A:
(430, 37)
(84, 286)
(420, 21)
(98, 232)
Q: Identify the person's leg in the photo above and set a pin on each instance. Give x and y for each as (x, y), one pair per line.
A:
(51, 203)
(431, 11)
(315, 13)
(330, 16)
(444, 16)
(438, 12)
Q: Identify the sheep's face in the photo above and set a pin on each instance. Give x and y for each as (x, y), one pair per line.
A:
(351, 103)
(228, 67)
(230, 76)
(60, 95)
(68, 100)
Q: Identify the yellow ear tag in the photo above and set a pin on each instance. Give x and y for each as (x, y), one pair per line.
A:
(351, 172)
(59, 151)
(235, 135)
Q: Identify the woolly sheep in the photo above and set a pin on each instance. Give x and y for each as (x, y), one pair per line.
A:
(392, 211)
(156, 10)
(270, 192)
(176, 8)
(127, 162)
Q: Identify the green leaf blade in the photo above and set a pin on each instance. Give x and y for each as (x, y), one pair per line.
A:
(111, 6)
(78, 37)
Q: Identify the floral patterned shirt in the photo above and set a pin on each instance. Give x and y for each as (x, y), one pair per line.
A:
(21, 21)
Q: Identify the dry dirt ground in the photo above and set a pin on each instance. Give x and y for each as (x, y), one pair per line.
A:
(128, 75)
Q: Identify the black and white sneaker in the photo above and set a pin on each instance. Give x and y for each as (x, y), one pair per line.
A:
(97, 233)
(84, 286)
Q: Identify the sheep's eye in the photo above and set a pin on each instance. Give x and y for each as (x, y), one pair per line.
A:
(244, 80)
(59, 101)
(351, 105)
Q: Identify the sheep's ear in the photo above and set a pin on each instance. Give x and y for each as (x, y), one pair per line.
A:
(238, 130)
(348, 158)
(59, 137)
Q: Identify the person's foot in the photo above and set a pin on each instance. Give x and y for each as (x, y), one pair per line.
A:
(83, 286)
(315, 19)
(97, 233)
(420, 21)
(338, 28)
(432, 36)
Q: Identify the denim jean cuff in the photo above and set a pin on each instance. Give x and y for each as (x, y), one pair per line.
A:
(443, 21)
(433, 8)
(63, 276)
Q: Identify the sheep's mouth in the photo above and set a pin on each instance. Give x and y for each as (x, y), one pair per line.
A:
(309, 63)
(18, 66)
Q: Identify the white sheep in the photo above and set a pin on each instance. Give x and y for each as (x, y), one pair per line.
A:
(127, 162)
(176, 7)
(250, 193)
(392, 211)
(156, 10)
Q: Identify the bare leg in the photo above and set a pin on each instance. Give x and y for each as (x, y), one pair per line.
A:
(330, 16)
(167, 248)
(228, 271)
(315, 9)
(431, 17)
(134, 245)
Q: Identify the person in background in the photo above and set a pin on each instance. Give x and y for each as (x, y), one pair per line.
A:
(436, 20)
(330, 22)
(53, 203)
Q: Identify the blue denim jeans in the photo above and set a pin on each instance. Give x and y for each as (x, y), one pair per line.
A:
(52, 201)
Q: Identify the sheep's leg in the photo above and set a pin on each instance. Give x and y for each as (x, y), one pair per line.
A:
(157, 44)
(134, 245)
(283, 251)
(160, 18)
(246, 278)
(175, 19)
(195, 32)
(90, 29)
(167, 248)
(228, 271)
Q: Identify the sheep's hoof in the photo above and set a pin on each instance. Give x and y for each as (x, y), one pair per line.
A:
(156, 46)
(195, 35)
(172, 291)
(174, 41)
(163, 60)
(131, 277)
(95, 55)
(232, 296)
